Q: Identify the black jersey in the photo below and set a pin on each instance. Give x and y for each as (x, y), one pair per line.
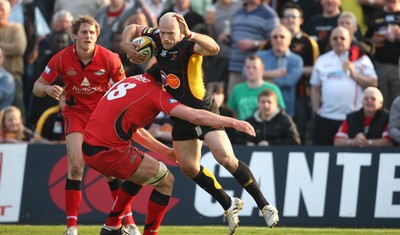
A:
(181, 70)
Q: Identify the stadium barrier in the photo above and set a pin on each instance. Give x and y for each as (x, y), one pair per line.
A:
(311, 186)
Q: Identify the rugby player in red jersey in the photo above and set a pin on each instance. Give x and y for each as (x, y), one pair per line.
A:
(180, 54)
(86, 69)
(118, 120)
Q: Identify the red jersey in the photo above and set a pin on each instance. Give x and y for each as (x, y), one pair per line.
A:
(84, 85)
(128, 105)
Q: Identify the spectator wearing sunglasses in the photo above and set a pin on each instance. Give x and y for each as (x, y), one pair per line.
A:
(337, 83)
(282, 66)
(306, 47)
(367, 126)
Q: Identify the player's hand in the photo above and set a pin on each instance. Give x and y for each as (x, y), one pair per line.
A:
(54, 91)
(182, 25)
(170, 154)
(244, 127)
(134, 56)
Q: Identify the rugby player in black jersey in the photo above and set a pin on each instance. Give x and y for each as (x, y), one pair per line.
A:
(179, 54)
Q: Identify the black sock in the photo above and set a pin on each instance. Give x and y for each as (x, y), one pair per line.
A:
(206, 180)
(114, 184)
(244, 176)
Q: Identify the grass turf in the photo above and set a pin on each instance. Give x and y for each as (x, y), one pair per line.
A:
(8, 229)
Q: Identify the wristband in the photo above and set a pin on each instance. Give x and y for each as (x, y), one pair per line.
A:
(369, 142)
(191, 36)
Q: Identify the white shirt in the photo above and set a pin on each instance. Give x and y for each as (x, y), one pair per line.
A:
(340, 94)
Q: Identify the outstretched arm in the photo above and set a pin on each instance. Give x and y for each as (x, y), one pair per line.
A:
(205, 118)
(205, 45)
(144, 138)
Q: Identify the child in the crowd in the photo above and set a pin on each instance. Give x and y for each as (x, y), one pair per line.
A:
(12, 129)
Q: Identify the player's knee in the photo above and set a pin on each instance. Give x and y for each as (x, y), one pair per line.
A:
(189, 172)
(230, 163)
(161, 174)
(76, 171)
(169, 181)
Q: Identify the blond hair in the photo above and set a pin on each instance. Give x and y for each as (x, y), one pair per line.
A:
(76, 24)
(3, 113)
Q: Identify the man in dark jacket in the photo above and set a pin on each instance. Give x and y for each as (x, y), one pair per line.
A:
(272, 125)
(367, 126)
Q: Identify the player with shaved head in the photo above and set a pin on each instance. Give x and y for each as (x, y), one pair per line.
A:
(180, 54)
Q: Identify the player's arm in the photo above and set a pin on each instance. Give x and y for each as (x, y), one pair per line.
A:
(205, 45)
(131, 32)
(144, 138)
(42, 88)
(205, 118)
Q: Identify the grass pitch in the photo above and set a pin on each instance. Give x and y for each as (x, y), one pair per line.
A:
(191, 230)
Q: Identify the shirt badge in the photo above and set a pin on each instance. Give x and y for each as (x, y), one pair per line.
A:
(100, 72)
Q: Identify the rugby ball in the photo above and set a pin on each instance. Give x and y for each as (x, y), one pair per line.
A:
(147, 46)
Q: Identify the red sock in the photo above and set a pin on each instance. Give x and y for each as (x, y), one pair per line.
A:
(156, 209)
(114, 186)
(128, 217)
(73, 195)
(116, 215)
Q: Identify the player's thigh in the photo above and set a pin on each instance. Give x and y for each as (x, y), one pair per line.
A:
(220, 146)
(188, 152)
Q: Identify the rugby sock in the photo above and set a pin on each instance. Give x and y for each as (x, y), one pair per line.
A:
(156, 209)
(244, 176)
(125, 196)
(73, 195)
(114, 186)
(206, 180)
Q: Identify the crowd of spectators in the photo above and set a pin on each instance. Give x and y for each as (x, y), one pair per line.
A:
(319, 73)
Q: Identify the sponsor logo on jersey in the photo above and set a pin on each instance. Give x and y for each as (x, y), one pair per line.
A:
(47, 70)
(86, 90)
(170, 80)
(85, 82)
(163, 77)
(163, 53)
(71, 71)
(121, 70)
(173, 81)
(174, 55)
(100, 72)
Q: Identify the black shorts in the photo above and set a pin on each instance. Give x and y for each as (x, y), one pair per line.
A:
(183, 130)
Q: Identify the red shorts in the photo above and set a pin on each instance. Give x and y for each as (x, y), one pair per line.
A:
(76, 121)
(115, 162)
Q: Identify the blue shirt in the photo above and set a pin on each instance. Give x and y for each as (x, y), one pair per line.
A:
(7, 88)
(287, 84)
(254, 25)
